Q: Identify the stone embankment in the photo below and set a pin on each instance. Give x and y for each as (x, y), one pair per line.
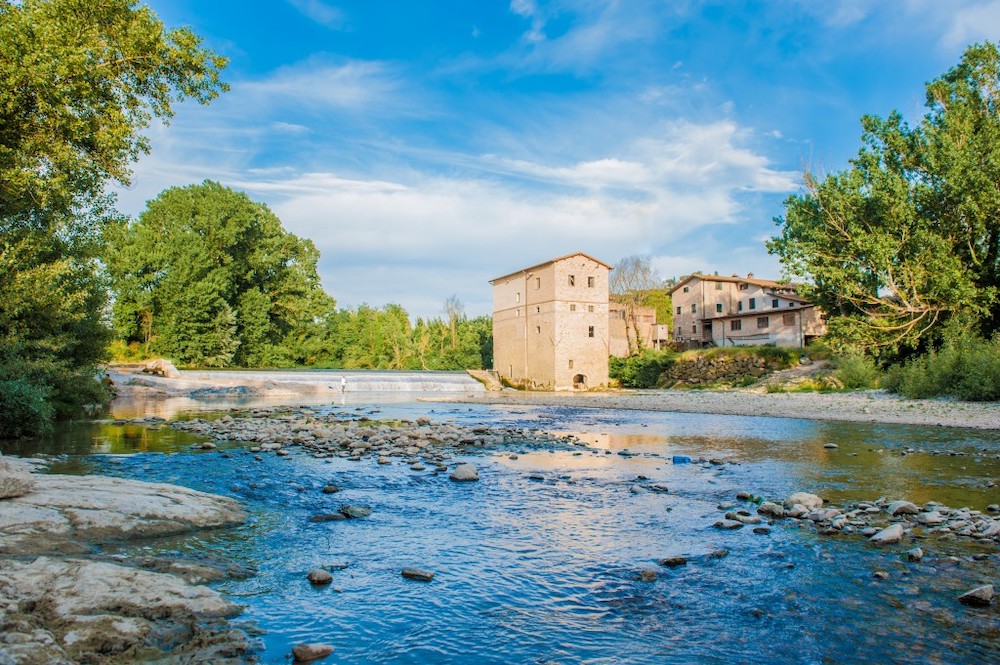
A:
(705, 371)
(56, 610)
(417, 443)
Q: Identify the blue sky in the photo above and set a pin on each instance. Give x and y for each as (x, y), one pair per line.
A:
(427, 147)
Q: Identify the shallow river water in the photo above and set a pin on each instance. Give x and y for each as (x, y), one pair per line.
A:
(546, 570)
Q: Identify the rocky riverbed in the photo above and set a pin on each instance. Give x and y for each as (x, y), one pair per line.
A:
(89, 608)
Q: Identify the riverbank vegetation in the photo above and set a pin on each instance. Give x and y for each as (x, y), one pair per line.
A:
(904, 246)
(82, 81)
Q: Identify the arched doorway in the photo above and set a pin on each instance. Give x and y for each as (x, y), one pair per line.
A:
(579, 382)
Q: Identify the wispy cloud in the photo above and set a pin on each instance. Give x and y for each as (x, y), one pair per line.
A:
(320, 12)
(318, 83)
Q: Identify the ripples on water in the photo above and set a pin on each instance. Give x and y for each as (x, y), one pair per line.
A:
(546, 571)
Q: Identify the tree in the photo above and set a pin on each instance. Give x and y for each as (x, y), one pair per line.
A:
(81, 80)
(209, 277)
(632, 279)
(909, 236)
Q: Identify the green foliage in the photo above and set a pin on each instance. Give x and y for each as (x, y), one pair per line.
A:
(80, 81)
(856, 371)
(642, 370)
(909, 236)
(24, 409)
(208, 277)
(966, 367)
(383, 338)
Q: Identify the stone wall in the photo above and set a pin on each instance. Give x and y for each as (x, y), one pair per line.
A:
(705, 371)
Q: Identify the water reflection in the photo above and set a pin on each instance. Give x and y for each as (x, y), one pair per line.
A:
(538, 562)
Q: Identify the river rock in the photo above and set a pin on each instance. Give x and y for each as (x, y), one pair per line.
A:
(931, 518)
(980, 597)
(15, 479)
(95, 612)
(891, 534)
(810, 501)
(673, 561)
(771, 509)
(916, 554)
(902, 508)
(305, 653)
(319, 577)
(161, 367)
(728, 525)
(465, 473)
(355, 512)
(417, 574)
(71, 513)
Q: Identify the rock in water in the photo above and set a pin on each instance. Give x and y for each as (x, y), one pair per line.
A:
(465, 473)
(891, 534)
(902, 508)
(418, 574)
(319, 577)
(810, 501)
(771, 509)
(981, 597)
(916, 554)
(673, 561)
(307, 652)
(355, 512)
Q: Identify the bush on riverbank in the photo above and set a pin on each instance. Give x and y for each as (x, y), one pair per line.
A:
(24, 409)
(966, 367)
(642, 370)
(856, 371)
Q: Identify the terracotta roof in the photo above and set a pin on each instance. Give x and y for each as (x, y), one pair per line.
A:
(766, 283)
(549, 262)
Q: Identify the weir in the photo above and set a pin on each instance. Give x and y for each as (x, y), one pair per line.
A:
(356, 380)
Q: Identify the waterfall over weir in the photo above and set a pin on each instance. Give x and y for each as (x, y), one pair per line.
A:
(357, 381)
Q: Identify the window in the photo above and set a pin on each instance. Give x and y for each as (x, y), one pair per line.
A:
(718, 308)
(739, 306)
(571, 363)
(572, 307)
(791, 304)
(753, 303)
(538, 330)
(736, 325)
(694, 329)
(590, 282)
(743, 286)
(718, 286)
(572, 280)
(775, 303)
(685, 289)
(590, 331)
(590, 308)
(538, 282)
(538, 309)
(678, 309)
(694, 308)
(788, 319)
(678, 331)
(517, 298)
(763, 321)
(517, 312)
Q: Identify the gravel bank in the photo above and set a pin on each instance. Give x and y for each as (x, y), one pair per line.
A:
(867, 406)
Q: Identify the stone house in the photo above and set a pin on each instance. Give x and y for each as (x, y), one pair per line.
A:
(621, 329)
(711, 310)
(551, 324)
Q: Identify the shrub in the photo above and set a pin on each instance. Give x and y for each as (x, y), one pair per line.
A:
(856, 371)
(966, 367)
(641, 371)
(24, 409)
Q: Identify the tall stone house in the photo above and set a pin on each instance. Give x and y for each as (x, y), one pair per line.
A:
(711, 310)
(551, 324)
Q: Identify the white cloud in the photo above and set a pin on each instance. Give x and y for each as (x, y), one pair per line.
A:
(354, 85)
(975, 22)
(320, 12)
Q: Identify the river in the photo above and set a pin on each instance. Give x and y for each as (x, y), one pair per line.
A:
(540, 561)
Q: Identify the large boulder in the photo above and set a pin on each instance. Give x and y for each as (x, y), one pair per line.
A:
(15, 480)
(72, 513)
(161, 367)
(96, 611)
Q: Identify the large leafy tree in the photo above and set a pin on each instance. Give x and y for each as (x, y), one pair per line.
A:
(80, 80)
(909, 236)
(209, 277)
